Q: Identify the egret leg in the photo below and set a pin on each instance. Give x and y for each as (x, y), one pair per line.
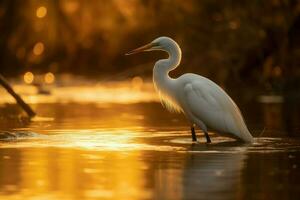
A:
(194, 137)
(207, 137)
(204, 129)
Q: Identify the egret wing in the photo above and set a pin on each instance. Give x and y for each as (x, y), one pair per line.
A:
(209, 103)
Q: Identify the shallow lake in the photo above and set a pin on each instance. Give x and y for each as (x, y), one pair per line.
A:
(137, 150)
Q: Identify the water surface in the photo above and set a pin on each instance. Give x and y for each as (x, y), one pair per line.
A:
(137, 150)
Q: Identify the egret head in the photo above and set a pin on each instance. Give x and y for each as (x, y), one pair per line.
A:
(161, 43)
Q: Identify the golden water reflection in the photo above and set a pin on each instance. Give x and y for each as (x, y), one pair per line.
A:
(114, 151)
(109, 142)
(73, 174)
(55, 173)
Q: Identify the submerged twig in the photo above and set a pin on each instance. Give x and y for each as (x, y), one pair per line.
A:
(18, 99)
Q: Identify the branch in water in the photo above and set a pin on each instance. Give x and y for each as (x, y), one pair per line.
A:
(18, 99)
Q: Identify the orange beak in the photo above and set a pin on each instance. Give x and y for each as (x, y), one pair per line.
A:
(140, 49)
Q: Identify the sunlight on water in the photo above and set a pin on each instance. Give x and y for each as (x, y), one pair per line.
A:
(115, 141)
(98, 140)
(42, 119)
(112, 92)
(76, 174)
(93, 164)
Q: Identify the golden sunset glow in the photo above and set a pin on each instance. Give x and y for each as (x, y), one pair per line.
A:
(149, 100)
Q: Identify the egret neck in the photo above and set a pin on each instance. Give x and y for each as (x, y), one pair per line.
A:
(161, 78)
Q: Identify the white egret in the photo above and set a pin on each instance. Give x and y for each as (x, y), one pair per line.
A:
(202, 101)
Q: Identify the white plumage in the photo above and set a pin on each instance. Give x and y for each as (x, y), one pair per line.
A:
(202, 101)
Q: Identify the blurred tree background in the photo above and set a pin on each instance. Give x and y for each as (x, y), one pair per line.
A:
(245, 43)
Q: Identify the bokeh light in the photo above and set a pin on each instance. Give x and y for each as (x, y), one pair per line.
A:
(38, 48)
(28, 77)
(49, 78)
(41, 12)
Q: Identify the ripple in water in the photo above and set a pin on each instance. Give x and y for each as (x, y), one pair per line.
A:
(129, 140)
